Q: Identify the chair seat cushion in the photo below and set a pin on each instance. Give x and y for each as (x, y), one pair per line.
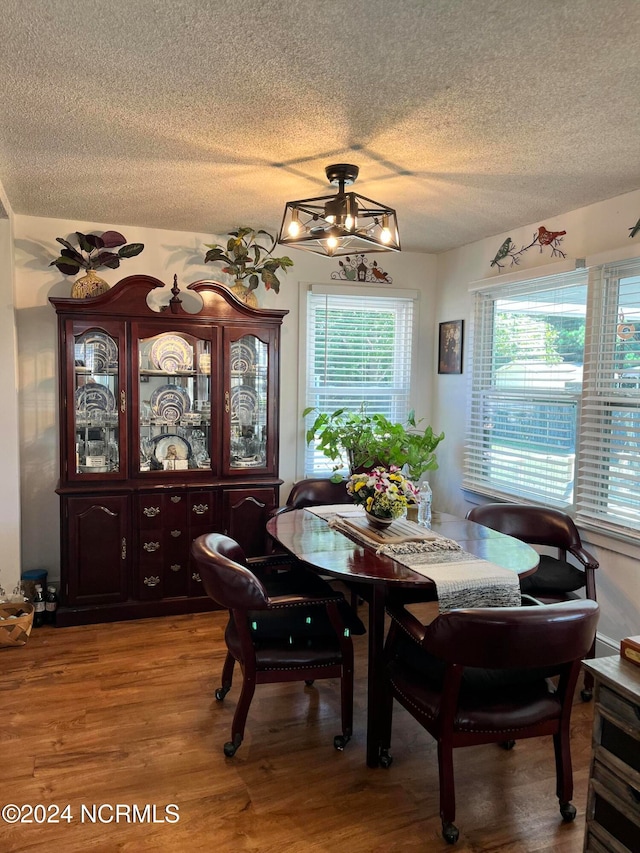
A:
(553, 575)
(291, 652)
(506, 709)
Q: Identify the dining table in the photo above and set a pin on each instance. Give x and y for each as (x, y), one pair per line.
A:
(328, 551)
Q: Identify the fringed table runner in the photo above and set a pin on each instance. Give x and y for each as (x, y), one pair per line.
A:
(461, 579)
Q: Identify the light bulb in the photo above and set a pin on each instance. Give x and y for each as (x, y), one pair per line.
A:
(330, 218)
(332, 243)
(385, 236)
(349, 222)
(294, 228)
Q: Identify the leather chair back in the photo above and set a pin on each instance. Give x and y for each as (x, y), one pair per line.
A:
(316, 491)
(536, 525)
(225, 576)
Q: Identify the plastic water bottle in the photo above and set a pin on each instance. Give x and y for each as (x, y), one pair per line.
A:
(424, 505)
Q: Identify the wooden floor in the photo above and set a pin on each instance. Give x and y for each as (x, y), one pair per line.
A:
(125, 714)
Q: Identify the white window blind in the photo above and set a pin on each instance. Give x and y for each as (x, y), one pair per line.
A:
(358, 350)
(527, 364)
(609, 475)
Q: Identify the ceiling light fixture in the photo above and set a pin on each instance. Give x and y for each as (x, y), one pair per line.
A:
(340, 224)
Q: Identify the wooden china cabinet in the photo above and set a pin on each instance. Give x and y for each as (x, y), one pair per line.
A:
(168, 429)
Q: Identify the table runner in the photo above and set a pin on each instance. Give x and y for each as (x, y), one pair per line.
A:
(461, 579)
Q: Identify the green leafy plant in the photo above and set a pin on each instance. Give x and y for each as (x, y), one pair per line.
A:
(93, 252)
(373, 440)
(246, 258)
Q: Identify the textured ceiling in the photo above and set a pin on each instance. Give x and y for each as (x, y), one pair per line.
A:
(470, 117)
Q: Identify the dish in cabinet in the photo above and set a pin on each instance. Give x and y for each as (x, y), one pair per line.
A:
(170, 402)
(168, 448)
(94, 397)
(97, 351)
(244, 403)
(243, 357)
(171, 353)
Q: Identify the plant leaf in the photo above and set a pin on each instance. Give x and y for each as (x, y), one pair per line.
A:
(111, 239)
(69, 251)
(67, 266)
(93, 241)
(131, 250)
(105, 259)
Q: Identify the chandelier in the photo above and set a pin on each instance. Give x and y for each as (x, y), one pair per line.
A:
(340, 224)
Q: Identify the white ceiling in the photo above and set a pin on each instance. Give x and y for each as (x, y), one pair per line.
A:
(470, 117)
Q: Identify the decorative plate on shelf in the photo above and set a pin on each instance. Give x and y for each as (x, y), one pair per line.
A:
(97, 351)
(244, 403)
(171, 353)
(94, 397)
(243, 357)
(170, 402)
(167, 447)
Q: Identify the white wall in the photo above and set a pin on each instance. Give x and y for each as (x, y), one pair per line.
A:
(10, 491)
(165, 253)
(590, 230)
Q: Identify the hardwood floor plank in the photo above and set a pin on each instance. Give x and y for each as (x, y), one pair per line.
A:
(125, 714)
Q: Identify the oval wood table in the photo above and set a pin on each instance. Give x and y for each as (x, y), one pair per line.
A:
(327, 551)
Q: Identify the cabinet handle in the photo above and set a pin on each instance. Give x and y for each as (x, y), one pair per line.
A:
(226, 402)
(176, 533)
(175, 499)
(151, 511)
(123, 401)
(200, 509)
(152, 581)
(123, 548)
(175, 567)
(151, 546)
(196, 577)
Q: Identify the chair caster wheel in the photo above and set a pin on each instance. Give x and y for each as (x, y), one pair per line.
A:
(507, 744)
(231, 746)
(340, 741)
(568, 812)
(385, 759)
(221, 692)
(450, 833)
(586, 694)
(309, 682)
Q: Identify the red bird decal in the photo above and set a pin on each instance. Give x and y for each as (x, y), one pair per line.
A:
(546, 238)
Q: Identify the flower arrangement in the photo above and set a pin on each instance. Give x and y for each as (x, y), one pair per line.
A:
(385, 493)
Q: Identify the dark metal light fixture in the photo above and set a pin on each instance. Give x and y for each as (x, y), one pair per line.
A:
(340, 224)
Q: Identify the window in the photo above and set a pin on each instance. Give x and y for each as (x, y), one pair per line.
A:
(609, 476)
(527, 378)
(555, 400)
(358, 350)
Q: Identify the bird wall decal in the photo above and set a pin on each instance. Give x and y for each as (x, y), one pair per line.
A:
(543, 237)
(634, 229)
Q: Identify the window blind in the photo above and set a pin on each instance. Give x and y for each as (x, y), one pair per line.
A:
(526, 381)
(359, 350)
(609, 469)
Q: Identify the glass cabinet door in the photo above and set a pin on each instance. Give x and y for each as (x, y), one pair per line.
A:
(99, 402)
(174, 394)
(247, 404)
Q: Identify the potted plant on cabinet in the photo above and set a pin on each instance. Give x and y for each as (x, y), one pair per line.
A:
(248, 260)
(93, 254)
(360, 441)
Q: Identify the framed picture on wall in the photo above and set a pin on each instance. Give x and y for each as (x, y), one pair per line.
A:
(450, 346)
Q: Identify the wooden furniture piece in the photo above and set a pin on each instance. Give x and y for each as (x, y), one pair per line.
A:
(556, 579)
(613, 802)
(479, 676)
(168, 430)
(327, 551)
(283, 626)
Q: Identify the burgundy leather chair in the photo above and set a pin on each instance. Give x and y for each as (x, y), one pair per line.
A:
(555, 579)
(283, 626)
(317, 491)
(480, 676)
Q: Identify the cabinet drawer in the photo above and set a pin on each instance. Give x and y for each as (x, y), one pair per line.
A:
(626, 789)
(619, 743)
(612, 815)
(162, 510)
(598, 840)
(628, 712)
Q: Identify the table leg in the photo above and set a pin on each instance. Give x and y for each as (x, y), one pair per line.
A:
(376, 684)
